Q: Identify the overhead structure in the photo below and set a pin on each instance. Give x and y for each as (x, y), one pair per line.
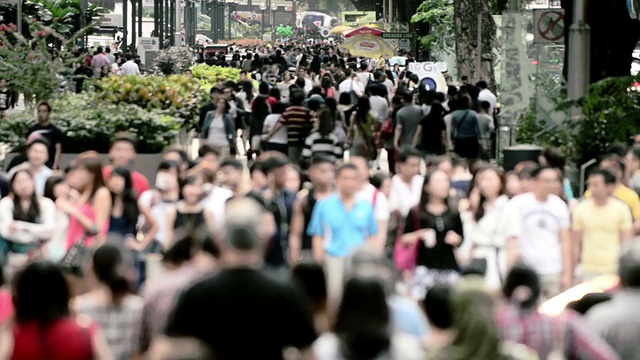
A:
(364, 30)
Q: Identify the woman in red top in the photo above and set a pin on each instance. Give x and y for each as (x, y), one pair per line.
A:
(6, 304)
(43, 327)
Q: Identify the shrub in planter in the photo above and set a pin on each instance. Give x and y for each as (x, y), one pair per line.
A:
(177, 94)
(91, 125)
(208, 76)
(174, 60)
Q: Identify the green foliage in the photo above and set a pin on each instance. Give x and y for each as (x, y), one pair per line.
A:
(178, 94)
(438, 14)
(27, 63)
(90, 124)
(610, 113)
(62, 16)
(208, 76)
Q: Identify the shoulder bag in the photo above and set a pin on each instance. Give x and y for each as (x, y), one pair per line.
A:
(405, 256)
(74, 260)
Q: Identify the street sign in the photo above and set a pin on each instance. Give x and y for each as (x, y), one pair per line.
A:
(397, 35)
(549, 26)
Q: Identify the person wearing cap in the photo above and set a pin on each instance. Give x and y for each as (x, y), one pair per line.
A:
(618, 320)
(37, 155)
(242, 313)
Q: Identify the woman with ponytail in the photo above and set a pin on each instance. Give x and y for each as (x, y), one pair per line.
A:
(111, 303)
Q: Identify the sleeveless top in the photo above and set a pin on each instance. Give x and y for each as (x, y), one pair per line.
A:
(122, 226)
(189, 220)
(64, 339)
(76, 230)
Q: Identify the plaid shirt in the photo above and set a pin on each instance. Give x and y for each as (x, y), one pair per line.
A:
(120, 324)
(546, 334)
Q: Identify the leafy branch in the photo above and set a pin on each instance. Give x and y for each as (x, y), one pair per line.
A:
(438, 14)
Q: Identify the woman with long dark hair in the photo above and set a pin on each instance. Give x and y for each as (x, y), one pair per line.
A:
(43, 327)
(492, 228)
(260, 109)
(431, 134)
(436, 229)
(323, 141)
(26, 220)
(111, 303)
(339, 128)
(362, 130)
(278, 140)
(328, 89)
(363, 328)
(189, 214)
(89, 214)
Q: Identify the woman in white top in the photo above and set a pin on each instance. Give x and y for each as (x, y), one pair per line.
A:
(287, 81)
(492, 227)
(26, 220)
(54, 249)
(277, 141)
(363, 328)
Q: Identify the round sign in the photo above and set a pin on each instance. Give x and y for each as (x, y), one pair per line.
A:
(551, 26)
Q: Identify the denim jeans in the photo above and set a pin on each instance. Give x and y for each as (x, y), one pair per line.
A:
(7, 246)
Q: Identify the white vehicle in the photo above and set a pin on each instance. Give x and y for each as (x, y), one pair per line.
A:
(401, 61)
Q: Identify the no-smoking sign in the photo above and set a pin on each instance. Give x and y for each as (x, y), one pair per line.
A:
(549, 25)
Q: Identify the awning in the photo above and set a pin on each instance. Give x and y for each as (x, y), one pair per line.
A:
(365, 30)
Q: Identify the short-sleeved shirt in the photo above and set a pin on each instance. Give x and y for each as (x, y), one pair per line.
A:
(408, 117)
(601, 227)
(296, 118)
(343, 230)
(243, 306)
(628, 197)
(541, 222)
(54, 136)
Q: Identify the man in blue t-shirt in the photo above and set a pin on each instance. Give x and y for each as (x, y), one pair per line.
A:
(339, 225)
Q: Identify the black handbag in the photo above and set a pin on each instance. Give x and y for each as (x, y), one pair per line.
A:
(74, 260)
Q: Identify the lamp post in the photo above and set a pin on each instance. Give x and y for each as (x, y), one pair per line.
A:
(263, 7)
(231, 5)
(274, 7)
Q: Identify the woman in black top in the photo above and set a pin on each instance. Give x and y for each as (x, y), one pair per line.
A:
(431, 132)
(189, 214)
(437, 230)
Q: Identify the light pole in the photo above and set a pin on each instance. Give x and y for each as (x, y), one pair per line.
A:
(263, 7)
(177, 35)
(274, 7)
(231, 5)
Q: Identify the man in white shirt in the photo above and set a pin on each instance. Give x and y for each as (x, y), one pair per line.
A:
(98, 61)
(130, 67)
(37, 155)
(379, 201)
(351, 84)
(545, 240)
(308, 84)
(364, 76)
(406, 185)
(486, 95)
(378, 103)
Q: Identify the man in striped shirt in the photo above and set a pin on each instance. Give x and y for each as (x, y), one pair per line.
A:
(323, 142)
(297, 119)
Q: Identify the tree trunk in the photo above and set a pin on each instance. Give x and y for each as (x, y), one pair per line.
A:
(614, 35)
(466, 21)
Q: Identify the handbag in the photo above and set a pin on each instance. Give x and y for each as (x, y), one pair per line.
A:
(405, 256)
(74, 260)
(387, 129)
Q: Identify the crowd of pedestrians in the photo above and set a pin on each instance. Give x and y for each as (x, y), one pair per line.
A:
(290, 236)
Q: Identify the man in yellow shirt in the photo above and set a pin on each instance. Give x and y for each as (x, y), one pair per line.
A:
(600, 224)
(622, 192)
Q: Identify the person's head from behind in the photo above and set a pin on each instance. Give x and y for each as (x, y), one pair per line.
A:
(484, 107)
(347, 180)
(326, 122)
(409, 163)
(38, 152)
(322, 171)
(553, 157)
(345, 99)
(363, 108)
(407, 98)
(86, 175)
(522, 286)
(114, 270)
(123, 149)
(363, 320)
(40, 293)
(246, 232)
(367, 263)
(309, 279)
(601, 184)
(189, 244)
(437, 307)
(263, 89)
(232, 170)
(297, 97)
(629, 266)
(482, 85)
